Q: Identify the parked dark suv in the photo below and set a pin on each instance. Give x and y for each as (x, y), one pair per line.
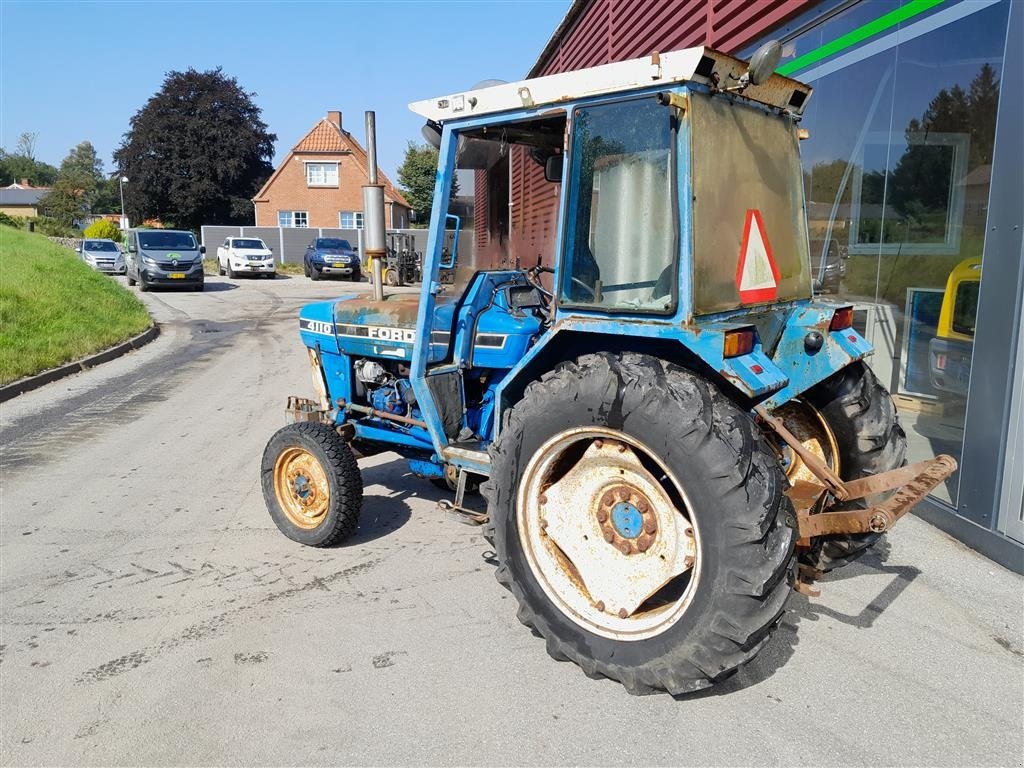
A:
(331, 256)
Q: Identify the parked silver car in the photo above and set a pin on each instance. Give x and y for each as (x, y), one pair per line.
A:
(102, 255)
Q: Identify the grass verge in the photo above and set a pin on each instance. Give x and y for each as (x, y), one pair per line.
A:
(54, 308)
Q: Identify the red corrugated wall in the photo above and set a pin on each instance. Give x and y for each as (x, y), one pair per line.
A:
(614, 30)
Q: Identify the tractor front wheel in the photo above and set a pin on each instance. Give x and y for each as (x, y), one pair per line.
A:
(640, 521)
(311, 484)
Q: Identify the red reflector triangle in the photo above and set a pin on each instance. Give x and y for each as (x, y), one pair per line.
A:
(757, 276)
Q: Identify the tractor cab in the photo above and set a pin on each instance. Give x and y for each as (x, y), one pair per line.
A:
(571, 210)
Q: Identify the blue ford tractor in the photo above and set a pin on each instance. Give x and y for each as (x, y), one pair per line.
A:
(671, 433)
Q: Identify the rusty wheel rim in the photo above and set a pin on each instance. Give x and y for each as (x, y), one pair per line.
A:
(810, 428)
(301, 487)
(607, 532)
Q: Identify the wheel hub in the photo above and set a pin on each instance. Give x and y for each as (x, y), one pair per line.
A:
(627, 520)
(583, 513)
(301, 487)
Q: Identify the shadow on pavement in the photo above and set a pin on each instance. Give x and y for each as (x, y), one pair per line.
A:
(213, 287)
(780, 647)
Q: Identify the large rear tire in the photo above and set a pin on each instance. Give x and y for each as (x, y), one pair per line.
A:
(719, 483)
(862, 417)
(311, 484)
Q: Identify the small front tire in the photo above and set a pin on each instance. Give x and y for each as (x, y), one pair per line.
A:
(311, 484)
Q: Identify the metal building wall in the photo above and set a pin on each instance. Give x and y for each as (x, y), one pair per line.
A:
(602, 31)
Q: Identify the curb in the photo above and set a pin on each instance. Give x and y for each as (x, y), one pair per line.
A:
(15, 388)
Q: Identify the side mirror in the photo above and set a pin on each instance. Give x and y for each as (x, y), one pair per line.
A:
(202, 249)
(764, 62)
(270, 248)
(448, 259)
(553, 168)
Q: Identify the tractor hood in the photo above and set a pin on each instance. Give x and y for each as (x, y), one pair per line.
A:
(361, 327)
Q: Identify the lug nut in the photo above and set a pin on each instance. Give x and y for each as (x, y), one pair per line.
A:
(689, 532)
(688, 561)
(650, 526)
(602, 515)
(608, 536)
(599, 605)
(642, 505)
(623, 613)
(644, 543)
(598, 443)
(608, 499)
(543, 498)
(624, 548)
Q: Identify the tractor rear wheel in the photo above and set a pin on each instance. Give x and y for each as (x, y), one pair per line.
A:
(311, 484)
(640, 521)
(862, 419)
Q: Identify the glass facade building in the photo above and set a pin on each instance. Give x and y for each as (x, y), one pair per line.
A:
(913, 186)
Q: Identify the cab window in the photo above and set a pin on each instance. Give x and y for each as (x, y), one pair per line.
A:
(622, 240)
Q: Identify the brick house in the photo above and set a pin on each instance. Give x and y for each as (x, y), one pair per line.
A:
(319, 184)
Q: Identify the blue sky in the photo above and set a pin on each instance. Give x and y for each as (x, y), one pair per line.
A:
(74, 71)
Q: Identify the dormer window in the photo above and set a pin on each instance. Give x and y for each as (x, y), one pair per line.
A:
(321, 174)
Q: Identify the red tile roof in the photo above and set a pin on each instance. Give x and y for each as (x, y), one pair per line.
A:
(324, 138)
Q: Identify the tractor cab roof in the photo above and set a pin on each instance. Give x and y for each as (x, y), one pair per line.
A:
(699, 65)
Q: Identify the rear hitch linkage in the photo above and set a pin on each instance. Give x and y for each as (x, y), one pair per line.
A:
(814, 502)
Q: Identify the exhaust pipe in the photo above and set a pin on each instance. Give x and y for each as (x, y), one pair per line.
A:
(373, 211)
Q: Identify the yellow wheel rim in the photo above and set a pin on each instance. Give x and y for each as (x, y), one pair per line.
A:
(810, 428)
(301, 486)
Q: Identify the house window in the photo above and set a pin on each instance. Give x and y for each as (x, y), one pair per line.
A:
(298, 219)
(350, 219)
(322, 174)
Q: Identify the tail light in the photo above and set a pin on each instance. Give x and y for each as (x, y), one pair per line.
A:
(842, 319)
(738, 343)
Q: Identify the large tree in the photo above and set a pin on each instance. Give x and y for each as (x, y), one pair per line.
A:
(74, 192)
(22, 164)
(417, 174)
(196, 153)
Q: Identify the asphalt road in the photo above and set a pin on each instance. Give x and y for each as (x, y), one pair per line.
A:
(152, 614)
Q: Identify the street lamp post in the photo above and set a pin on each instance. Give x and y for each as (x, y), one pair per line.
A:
(120, 183)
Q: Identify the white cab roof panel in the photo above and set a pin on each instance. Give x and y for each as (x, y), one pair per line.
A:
(657, 69)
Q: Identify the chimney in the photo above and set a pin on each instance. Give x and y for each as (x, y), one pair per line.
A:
(335, 117)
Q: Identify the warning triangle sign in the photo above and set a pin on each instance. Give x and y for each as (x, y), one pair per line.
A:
(757, 276)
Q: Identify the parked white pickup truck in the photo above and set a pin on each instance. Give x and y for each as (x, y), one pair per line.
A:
(245, 256)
